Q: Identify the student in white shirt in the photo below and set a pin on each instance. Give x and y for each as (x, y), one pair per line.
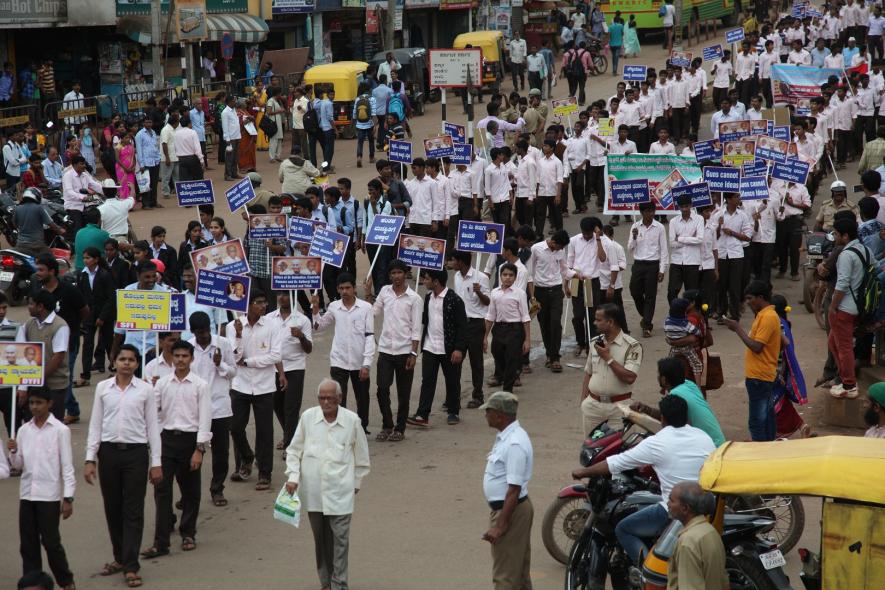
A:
(725, 115)
(577, 160)
(697, 84)
(473, 287)
(763, 213)
(509, 323)
(585, 259)
(663, 145)
(680, 91)
(526, 183)
(721, 73)
(686, 233)
(754, 113)
(709, 269)
(799, 56)
(648, 244)
(745, 72)
(793, 201)
(550, 175)
(874, 34)
(422, 189)
(767, 59)
(499, 188)
(42, 453)
(611, 274)
(161, 366)
(732, 230)
(550, 278)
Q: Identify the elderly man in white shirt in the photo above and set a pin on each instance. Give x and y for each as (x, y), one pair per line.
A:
(326, 463)
(518, 51)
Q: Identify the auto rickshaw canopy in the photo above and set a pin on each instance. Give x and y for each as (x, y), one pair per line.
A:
(344, 76)
(488, 41)
(848, 467)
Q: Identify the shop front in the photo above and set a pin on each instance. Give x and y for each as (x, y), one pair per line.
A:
(420, 22)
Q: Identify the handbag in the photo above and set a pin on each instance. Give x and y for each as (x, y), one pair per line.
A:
(143, 178)
(715, 377)
(268, 125)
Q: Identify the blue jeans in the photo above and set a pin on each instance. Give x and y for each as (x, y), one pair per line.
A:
(71, 404)
(645, 524)
(761, 421)
(365, 135)
(616, 55)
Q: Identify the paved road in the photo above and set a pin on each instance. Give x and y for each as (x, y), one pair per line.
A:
(420, 516)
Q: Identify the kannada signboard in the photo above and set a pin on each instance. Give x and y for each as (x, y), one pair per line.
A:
(143, 310)
(329, 245)
(194, 192)
(458, 132)
(239, 194)
(769, 148)
(22, 363)
(219, 289)
(224, 257)
(708, 150)
(439, 147)
(463, 154)
(699, 193)
(384, 230)
(301, 229)
(478, 236)
(791, 170)
(400, 151)
(635, 73)
(680, 58)
(723, 179)
(268, 227)
(734, 36)
(422, 252)
(713, 53)
(451, 68)
(658, 169)
(630, 192)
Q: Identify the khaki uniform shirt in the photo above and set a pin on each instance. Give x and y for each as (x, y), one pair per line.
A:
(699, 560)
(533, 125)
(828, 211)
(626, 351)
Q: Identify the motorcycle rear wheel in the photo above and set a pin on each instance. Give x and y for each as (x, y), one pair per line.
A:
(788, 512)
(601, 63)
(746, 573)
(563, 523)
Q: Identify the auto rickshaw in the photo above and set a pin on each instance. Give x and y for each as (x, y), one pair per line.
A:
(492, 45)
(847, 473)
(343, 78)
(414, 74)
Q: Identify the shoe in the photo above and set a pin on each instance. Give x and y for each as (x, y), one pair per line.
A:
(243, 474)
(417, 420)
(453, 419)
(71, 419)
(359, 163)
(493, 382)
(474, 403)
(851, 392)
(517, 383)
(794, 278)
(840, 391)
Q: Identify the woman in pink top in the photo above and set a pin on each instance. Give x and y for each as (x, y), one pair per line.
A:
(125, 168)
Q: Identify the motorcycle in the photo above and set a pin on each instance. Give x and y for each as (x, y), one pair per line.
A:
(16, 270)
(597, 56)
(7, 211)
(567, 515)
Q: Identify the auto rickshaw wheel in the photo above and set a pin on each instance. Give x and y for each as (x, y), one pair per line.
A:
(348, 131)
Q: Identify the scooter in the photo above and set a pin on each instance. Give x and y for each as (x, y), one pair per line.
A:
(16, 270)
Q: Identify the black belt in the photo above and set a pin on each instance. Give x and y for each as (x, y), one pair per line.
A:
(498, 505)
(123, 446)
(655, 262)
(179, 432)
(508, 324)
(549, 288)
(474, 320)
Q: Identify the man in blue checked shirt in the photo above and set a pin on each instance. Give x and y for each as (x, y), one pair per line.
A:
(53, 169)
(364, 108)
(7, 85)
(147, 152)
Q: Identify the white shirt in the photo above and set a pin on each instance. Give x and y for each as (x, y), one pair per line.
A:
(460, 186)
(509, 463)
(696, 81)
(615, 261)
(799, 58)
(218, 378)
(767, 210)
(464, 289)
(526, 179)
(402, 320)
(328, 461)
(497, 183)
(260, 347)
(353, 345)
(185, 405)
(167, 138)
(230, 124)
(74, 100)
(650, 244)
(720, 117)
(441, 197)
(730, 247)
(680, 91)
(722, 74)
(477, 178)
(517, 51)
(744, 65)
(578, 146)
(124, 416)
(294, 355)
(59, 339)
(550, 173)
(626, 148)
(548, 267)
(71, 183)
(865, 98)
(659, 148)
(685, 239)
(115, 215)
(797, 193)
(628, 113)
(422, 192)
(187, 143)
(877, 24)
(676, 455)
(44, 457)
(834, 61)
(661, 100)
(844, 113)
(583, 257)
(766, 60)
(158, 367)
(435, 341)
(508, 306)
(709, 246)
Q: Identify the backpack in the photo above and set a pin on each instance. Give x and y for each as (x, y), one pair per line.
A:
(395, 106)
(663, 10)
(363, 109)
(576, 65)
(311, 120)
(867, 296)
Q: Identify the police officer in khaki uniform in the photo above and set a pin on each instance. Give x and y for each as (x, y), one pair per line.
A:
(612, 367)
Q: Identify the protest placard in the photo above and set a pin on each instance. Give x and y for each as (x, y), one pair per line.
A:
(384, 229)
(239, 194)
(735, 153)
(463, 154)
(296, 272)
(630, 192)
(723, 179)
(400, 151)
(268, 227)
(656, 169)
(439, 147)
(662, 191)
(680, 58)
(635, 73)
(791, 170)
(754, 188)
(699, 193)
(458, 133)
(734, 36)
(565, 106)
(606, 127)
(709, 150)
(755, 168)
(194, 192)
(422, 252)
(478, 236)
(178, 318)
(759, 127)
(713, 53)
(733, 130)
(781, 132)
(769, 148)
(143, 310)
(329, 245)
(220, 289)
(21, 364)
(300, 229)
(224, 257)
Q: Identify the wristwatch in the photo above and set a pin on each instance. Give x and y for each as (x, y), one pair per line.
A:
(69, 500)
(202, 448)
(610, 361)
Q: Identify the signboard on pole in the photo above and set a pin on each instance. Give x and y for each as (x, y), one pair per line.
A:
(478, 236)
(565, 106)
(385, 229)
(699, 193)
(463, 154)
(329, 245)
(723, 179)
(635, 73)
(194, 192)
(630, 192)
(296, 272)
(680, 58)
(713, 53)
(224, 257)
(791, 170)
(458, 133)
(734, 35)
(450, 68)
(143, 310)
(300, 229)
(400, 151)
(191, 16)
(439, 147)
(21, 364)
(422, 252)
(707, 150)
(754, 188)
(239, 194)
(219, 289)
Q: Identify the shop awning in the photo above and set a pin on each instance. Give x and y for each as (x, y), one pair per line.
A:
(244, 28)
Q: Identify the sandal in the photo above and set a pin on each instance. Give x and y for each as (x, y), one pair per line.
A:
(133, 580)
(263, 484)
(188, 544)
(152, 552)
(81, 383)
(109, 569)
(383, 436)
(555, 367)
(474, 403)
(396, 436)
(219, 500)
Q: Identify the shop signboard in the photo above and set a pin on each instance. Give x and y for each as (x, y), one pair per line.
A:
(32, 11)
(292, 6)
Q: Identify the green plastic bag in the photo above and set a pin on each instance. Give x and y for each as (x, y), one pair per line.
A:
(287, 508)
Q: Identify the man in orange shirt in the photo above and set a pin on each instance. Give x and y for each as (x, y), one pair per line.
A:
(760, 359)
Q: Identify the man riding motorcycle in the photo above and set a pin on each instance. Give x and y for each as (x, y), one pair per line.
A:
(676, 454)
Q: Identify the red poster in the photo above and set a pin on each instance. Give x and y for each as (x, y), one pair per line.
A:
(371, 21)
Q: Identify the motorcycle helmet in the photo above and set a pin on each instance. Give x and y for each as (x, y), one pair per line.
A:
(32, 194)
(838, 185)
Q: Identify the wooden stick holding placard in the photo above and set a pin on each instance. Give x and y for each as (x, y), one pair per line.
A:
(374, 260)
(14, 401)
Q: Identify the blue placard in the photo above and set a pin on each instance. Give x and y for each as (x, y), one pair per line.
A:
(635, 73)
(178, 313)
(229, 257)
(755, 168)
(791, 170)
(734, 36)
(194, 192)
(699, 193)
(666, 199)
(219, 289)
(680, 58)
(766, 152)
(781, 132)
(422, 252)
(439, 147)
(385, 229)
(813, 13)
(239, 194)
(329, 245)
(630, 192)
(713, 53)
(400, 151)
(754, 188)
(300, 229)
(296, 272)
(723, 179)
(799, 11)
(459, 135)
(707, 150)
(478, 236)
(463, 154)
(268, 227)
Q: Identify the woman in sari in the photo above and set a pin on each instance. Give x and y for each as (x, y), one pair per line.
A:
(631, 38)
(125, 168)
(259, 101)
(789, 385)
(696, 315)
(247, 141)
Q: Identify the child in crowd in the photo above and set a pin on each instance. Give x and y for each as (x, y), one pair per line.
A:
(677, 327)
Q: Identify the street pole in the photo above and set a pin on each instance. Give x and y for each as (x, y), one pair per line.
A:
(469, 91)
(156, 57)
(389, 30)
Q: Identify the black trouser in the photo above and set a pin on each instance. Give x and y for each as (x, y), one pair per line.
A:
(222, 146)
(379, 270)
(123, 476)
(452, 232)
(232, 158)
(746, 89)
(765, 84)
(864, 130)
(707, 282)
(618, 299)
(679, 124)
(686, 275)
(390, 366)
(95, 352)
(349, 262)
(578, 195)
(220, 455)
(789, 239)
(287, 403)
(430, 365)
(360, 391)
(718, 95)
(299, 138)
(312, 140)
(874, 43)
(576, 87)
(517, 73)
(262, 405)
(190, 168)
(694, 113)
(596, 182)
(535, 80)
(550, 318)
(178, 448)
(542, 203)
(330, 281)
(465, 209)
(76, 217)
(507, 339)
(381, 133)
(476, 328)
(843, 145)
(501, 213)
(328, 142)
(760, 261)
(38, 525)
(581, 311)
(525, 211)
(731, 272)
(644, 289)
(563, 202)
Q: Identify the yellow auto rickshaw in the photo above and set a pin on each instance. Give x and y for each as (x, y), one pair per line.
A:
(343, 79)
(492, 45)
(847, 473)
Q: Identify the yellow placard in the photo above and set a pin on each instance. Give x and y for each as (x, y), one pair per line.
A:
(14, 121)
(607, 127)
(144, 310)
(21, 363)
(736, 153)
(134, 105)
(565, 107)
(84, 112)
